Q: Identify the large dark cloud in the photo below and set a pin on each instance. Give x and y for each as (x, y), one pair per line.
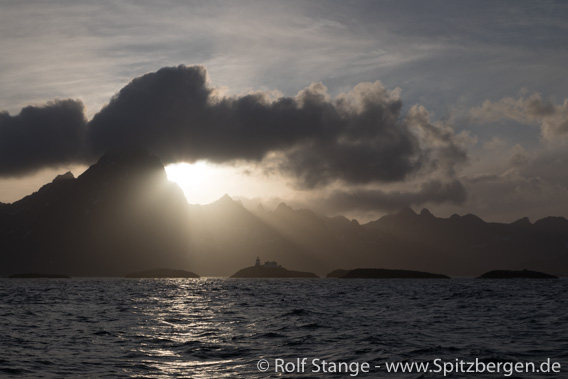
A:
(174, 113)
(358, 138)
(42, 136)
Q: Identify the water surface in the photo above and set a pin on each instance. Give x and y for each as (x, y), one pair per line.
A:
(222, 327)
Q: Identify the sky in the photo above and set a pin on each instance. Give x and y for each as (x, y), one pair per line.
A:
(358, 108)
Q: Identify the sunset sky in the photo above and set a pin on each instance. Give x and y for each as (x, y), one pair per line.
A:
(345, 107)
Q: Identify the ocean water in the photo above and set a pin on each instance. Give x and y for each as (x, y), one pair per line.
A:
(212, 328)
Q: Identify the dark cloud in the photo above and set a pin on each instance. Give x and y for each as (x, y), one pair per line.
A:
(431, 192)
(369, 143)
(42, 136)
(358, 138)
(175, 114)
(318, 163)
(442, 150)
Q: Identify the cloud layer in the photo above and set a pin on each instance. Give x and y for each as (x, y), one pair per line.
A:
(552, 118)
(358, 138)
(41, 137)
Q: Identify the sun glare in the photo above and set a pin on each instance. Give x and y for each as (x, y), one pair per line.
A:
(203, 182)
(199, 181)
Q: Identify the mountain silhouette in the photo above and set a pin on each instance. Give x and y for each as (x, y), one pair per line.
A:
(122, 215)
(477, 246)
(225, 233)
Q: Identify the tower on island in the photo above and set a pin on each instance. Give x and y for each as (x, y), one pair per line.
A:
(273, 264)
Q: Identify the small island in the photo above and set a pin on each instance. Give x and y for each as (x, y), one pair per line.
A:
(511, 274)
(270, 270)
(35, 275)
(162, 273)
(383, 273)
(339, 273)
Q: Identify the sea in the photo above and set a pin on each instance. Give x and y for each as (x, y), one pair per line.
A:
(278, 328)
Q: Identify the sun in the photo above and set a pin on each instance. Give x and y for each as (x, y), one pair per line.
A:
(203, 182)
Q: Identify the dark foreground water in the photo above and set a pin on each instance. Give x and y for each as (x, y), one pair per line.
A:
(223, 327)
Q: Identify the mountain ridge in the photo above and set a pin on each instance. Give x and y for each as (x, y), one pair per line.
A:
(123, 215)
(112, 218)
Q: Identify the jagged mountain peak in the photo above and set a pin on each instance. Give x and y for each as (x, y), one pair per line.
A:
(426, 213)
(406, 212)
(67, 176)
(283, 207)
(227, 200)
(127, 165)
(470, 217)
(128, 159)
(524, 221)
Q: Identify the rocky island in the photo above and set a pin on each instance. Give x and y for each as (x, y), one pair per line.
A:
(270, 270)
(162, 273)
(511, 274)
(35, 275)
(383, 273)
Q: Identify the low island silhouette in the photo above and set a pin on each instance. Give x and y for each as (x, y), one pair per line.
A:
(162, 273)
(270, 269)
(383, 273)
(36, 275)
(511, 274)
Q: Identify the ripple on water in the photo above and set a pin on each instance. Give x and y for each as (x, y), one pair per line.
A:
(221, 327)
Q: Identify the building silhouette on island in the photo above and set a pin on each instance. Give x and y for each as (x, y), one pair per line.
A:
(266, 264)
(270, 269)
